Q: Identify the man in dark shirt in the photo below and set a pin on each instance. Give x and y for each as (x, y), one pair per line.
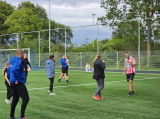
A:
(26, 62)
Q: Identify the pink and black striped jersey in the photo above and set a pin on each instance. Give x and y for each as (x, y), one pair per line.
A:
(129, 67)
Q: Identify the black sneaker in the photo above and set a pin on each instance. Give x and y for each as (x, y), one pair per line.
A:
(68, 82)
(59, 81)
(130, 93)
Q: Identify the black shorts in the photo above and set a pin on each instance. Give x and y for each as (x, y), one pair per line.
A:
(64, 70)
(130, 76)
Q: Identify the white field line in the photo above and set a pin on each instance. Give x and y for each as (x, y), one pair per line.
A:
(146, 78)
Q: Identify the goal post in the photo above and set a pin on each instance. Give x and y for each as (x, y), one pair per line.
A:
(7, 54)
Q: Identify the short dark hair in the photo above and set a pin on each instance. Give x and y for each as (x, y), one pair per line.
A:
(126, 52)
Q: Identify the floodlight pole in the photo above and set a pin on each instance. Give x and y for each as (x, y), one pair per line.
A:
(93, 28)
(65, 41)
(49, 29)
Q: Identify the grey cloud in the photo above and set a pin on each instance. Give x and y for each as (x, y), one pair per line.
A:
(74, 13)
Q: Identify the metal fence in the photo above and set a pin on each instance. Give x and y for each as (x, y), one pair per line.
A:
(113, 59)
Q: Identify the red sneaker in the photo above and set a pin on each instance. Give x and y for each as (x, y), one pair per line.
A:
(22, 118)
(101, 98)
(95, 97)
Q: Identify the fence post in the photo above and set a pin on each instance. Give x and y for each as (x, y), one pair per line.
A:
(39, 49)
(81, 59)
(97, 39)
(117, 59)
(17, 40)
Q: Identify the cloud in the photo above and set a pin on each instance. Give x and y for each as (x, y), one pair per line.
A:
(74, 13)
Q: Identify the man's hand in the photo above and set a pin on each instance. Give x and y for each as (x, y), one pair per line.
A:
(128, 61)
(123, 72)
(9, 83)
(24, 69)
(53, 76)
(103, 61)
(16, 82)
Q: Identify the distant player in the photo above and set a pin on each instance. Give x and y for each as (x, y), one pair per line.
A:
(99, 75)
(26, 62)
(64, 69)
(7, 83)
(130, 69)
(17, 80)
(87, 67)
(68, 65)
(50, 72)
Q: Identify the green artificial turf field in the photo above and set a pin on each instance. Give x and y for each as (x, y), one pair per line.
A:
(74, 101)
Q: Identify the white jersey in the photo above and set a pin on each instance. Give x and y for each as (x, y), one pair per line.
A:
(87, 66)
(129, 67)
(67, 60)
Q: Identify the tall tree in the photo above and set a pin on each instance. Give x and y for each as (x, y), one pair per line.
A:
(37, 10)
(119, 9)
(24, 20)
(5, 11)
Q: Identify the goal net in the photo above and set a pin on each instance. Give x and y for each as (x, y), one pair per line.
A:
(7, 54)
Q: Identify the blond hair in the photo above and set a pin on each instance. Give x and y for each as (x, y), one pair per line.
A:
(7, 64)
(96, 57)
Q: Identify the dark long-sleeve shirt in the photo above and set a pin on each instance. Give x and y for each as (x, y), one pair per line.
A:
(99, 67)
(26, 62)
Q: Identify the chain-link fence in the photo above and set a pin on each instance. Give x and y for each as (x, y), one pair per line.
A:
(113, 59)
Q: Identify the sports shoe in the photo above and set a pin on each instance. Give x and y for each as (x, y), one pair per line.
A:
(68, 82)
(101, 98)
(59, 81)
(22, 118)
(49, 91)
(12, 118)
(95, 97)
(130, 93)
(52, 93)
(8, 101)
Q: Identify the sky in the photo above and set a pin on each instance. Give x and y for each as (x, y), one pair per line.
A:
(75, 13)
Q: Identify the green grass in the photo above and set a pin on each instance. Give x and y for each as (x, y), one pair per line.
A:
(76, 102)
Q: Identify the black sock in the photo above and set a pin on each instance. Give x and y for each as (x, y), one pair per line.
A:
(67, 80)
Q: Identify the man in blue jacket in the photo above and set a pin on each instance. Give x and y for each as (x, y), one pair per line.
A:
(64, 69)
(17, 80)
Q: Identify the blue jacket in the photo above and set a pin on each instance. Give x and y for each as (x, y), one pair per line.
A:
(63, 63)
(50, 68)
(16, 70)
